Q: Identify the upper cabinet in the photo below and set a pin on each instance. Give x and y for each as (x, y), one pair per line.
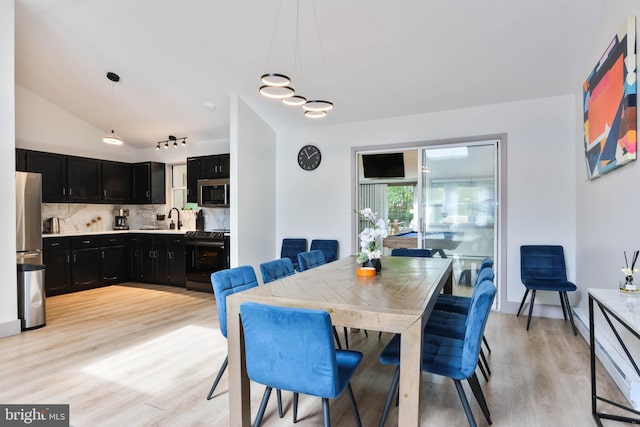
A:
(148, 183)
(70, 179)
(206, 167)
(116, 182)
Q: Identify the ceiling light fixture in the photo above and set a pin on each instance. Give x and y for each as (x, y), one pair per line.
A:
(112, 138)
(278, 85)
(173, 141)
(315, 114)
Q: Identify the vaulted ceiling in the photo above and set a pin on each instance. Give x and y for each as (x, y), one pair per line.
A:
(180, 60)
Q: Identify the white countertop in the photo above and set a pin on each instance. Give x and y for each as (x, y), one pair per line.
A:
(625, 306)
(90, 233)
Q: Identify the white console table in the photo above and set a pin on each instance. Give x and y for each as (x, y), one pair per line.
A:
(626, 310)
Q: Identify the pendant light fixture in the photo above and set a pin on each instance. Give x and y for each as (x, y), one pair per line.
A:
(278, 85)
(112, 138)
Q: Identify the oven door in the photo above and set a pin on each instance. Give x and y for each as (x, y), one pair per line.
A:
(204, 258)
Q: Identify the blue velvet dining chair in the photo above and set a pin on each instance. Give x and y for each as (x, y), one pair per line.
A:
(228, 282)
(310, 259)
(328, 247)
(455, 358)
(276, 269)
(543, 268)
(421, 253)
(291, 248)
(292, 349)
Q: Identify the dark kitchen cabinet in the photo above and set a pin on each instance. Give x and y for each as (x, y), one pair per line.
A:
(53, 168)
(148, 183)
(21, 160)
(176, 257)
(56, 255)
(134, 258)
(212, 167)
(84, 179)
(113, 266)
(85, 263)
(116, 182)
(193, 171)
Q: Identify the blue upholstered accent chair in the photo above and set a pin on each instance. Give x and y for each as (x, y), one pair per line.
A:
(487, 262)
(455, 358)
(311, 259)
(292, 349)
(291, 248)
(227, 282)
(422, 253)
(543, 268)
(328, 247)
(276, 269)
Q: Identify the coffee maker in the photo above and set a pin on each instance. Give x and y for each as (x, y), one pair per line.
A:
(120, 220)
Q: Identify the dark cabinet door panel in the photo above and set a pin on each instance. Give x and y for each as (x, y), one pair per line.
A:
(53, 168)
(116, 182)
(85, 268)
(84, 179)
(57, 278)
(113, 264)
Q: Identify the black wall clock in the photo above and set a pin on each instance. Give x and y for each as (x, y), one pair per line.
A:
(309, 157)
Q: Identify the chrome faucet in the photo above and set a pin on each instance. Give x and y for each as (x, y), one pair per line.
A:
(169, 216)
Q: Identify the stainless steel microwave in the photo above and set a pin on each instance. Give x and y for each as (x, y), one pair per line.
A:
(213, 193)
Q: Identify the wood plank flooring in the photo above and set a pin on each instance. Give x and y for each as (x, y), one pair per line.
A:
(146, 355)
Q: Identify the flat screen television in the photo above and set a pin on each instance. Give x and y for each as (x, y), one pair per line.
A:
(386, 165)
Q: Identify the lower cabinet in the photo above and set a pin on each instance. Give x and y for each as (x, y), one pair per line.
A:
(56, 256)
(86, 262)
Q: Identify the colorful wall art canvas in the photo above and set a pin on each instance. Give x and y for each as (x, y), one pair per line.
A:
(610, 117)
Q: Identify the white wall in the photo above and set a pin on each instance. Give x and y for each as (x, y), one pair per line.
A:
(606, 222)
(253, 189)
(540, 176)
(9, 323)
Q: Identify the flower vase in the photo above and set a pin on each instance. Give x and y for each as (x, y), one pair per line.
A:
(375, 262)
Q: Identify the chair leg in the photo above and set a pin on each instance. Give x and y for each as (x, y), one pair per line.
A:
(484, 340)
(524, 298)
(392, 389)
(279, 397)
(484, 359)
(220, 372)
(263, 406)
(465, 404)
(533, 298)
(484, 373)
(366, 334)
(379, 334)
(573, 325)
(346, 339)
(477, 392)
(564, 309)
(335, 336)
(295, 407)
(354, 407)
(325, 412)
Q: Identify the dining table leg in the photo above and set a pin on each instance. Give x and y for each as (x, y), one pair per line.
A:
(410, 375)
(239, 385)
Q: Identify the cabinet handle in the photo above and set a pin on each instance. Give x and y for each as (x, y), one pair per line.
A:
(74, 258)
(64, 191)
(84, 242)
(110, 278)
(135, 253)
(150, 254)
(71, 191)
(170, 255)
(146, 193)
(102, 254)
(112, 240)
(104, 193)
(55, 244)
(85, 283)
(68, 259)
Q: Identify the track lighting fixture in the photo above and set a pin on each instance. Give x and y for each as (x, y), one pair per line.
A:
(171, 140)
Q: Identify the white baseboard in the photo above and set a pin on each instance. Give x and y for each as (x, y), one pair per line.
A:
(8, 329)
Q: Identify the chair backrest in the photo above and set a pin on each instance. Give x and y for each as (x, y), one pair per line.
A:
(276, 269)
(310, 259)
(290, 348)
(227, 282)
(542, 262)
(328, 247)
(485, 274)
(421, 253)
(291, 248)
(487, 262)
(479, 310)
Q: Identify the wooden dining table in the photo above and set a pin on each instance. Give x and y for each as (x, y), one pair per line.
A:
(399, 299)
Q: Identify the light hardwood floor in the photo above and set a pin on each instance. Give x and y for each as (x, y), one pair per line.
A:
(146, 355)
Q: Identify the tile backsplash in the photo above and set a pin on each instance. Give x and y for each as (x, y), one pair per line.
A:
(79, 218)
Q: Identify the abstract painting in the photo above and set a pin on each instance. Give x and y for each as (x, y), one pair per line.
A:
(610, 112)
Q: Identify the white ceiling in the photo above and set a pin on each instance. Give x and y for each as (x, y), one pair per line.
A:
(381, 58)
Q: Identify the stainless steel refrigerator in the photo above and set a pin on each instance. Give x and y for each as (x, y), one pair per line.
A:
(31, 287)
(28, 218)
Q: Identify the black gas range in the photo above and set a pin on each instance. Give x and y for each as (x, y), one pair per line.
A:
(207, 252)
